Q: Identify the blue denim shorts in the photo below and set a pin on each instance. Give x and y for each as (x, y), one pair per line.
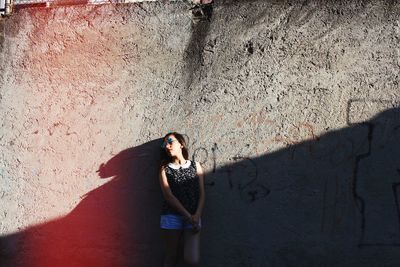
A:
(175, 222)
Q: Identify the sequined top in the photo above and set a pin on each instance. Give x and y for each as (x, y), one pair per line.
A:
(184, 184)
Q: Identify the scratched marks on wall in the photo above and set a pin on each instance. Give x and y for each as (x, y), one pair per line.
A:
(376, 176)
(242, 178)
(280, 135)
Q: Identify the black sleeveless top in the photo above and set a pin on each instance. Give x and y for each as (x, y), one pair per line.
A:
(184, 184)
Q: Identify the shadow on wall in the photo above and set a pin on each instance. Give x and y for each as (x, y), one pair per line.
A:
(316, 202)
(114, 225)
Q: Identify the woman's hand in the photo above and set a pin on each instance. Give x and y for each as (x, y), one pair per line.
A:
(196, 222)
(187, 217)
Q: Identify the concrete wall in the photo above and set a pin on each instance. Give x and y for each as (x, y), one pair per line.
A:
(291, 106)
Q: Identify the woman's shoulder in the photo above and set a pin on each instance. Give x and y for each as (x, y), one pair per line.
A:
(163, 168)
(196, 164)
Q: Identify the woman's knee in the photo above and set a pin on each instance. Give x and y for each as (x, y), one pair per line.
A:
(171, 258)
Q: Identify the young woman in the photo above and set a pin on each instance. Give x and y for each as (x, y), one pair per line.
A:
(182, 184)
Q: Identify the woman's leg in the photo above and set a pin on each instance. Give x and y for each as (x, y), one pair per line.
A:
(171, 239)
(191, 249)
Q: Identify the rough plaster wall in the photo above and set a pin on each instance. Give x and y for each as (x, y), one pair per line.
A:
(270, 94)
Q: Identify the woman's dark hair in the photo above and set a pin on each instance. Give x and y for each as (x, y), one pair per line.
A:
(165, 158)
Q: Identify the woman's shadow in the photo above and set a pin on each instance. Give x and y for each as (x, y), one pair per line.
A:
(116, 224)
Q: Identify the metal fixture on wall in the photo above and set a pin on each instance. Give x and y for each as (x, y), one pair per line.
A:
(6, 7)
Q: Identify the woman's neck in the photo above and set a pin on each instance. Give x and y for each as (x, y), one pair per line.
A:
(180, 160)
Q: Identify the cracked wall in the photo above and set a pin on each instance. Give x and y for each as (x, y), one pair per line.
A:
(291, 106)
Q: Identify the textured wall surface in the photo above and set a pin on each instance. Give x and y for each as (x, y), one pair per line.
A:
(291, 106)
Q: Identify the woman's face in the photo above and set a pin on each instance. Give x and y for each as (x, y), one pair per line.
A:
(172, 145)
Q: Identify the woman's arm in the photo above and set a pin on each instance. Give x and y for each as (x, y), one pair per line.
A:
(197, 215)
(169, 197)
(200, 173)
